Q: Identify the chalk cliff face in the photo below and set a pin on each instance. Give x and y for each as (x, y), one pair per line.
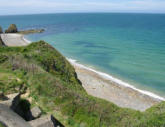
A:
(12, 29)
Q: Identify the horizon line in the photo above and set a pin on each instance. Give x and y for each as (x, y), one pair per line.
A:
(116, 12)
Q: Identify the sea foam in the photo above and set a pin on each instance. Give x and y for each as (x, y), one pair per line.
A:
(26, 40)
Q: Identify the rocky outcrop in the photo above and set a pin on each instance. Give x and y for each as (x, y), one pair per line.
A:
(12, 29)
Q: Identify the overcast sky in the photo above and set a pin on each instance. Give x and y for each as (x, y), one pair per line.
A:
(55, 6)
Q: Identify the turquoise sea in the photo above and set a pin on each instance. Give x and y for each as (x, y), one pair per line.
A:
(130, 47)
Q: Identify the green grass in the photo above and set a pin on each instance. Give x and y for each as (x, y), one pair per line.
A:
(53, 85)
(1, 125)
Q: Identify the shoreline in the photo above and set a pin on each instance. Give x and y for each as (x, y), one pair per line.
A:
(114, 90)
(26, 40)
(115, 80)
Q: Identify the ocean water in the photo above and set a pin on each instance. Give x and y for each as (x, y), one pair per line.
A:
(130, 47)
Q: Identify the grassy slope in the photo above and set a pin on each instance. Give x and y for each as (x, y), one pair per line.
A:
(53, 85)
(1, 125)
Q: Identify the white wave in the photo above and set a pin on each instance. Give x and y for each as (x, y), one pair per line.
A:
(26, 40)
(115, 80)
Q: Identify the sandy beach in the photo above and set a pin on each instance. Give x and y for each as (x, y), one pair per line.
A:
(14, 40)
(123, 96)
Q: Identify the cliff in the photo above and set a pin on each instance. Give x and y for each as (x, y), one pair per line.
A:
(1, 31)
(1, 42)
(46, 79)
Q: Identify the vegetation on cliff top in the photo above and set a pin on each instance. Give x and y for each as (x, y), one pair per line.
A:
(52, 84)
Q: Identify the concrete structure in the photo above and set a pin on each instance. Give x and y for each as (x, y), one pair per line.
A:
(10, 118)
(46, 121)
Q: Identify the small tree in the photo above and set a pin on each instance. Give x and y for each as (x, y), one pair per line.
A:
(12, 29)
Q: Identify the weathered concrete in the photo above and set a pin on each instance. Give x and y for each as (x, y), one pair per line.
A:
(12, 101)
(10, 118)
(45, 121)
(36, 112)
(33, 113)
(14, 40)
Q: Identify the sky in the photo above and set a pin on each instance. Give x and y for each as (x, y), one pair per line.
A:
(13, 7)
